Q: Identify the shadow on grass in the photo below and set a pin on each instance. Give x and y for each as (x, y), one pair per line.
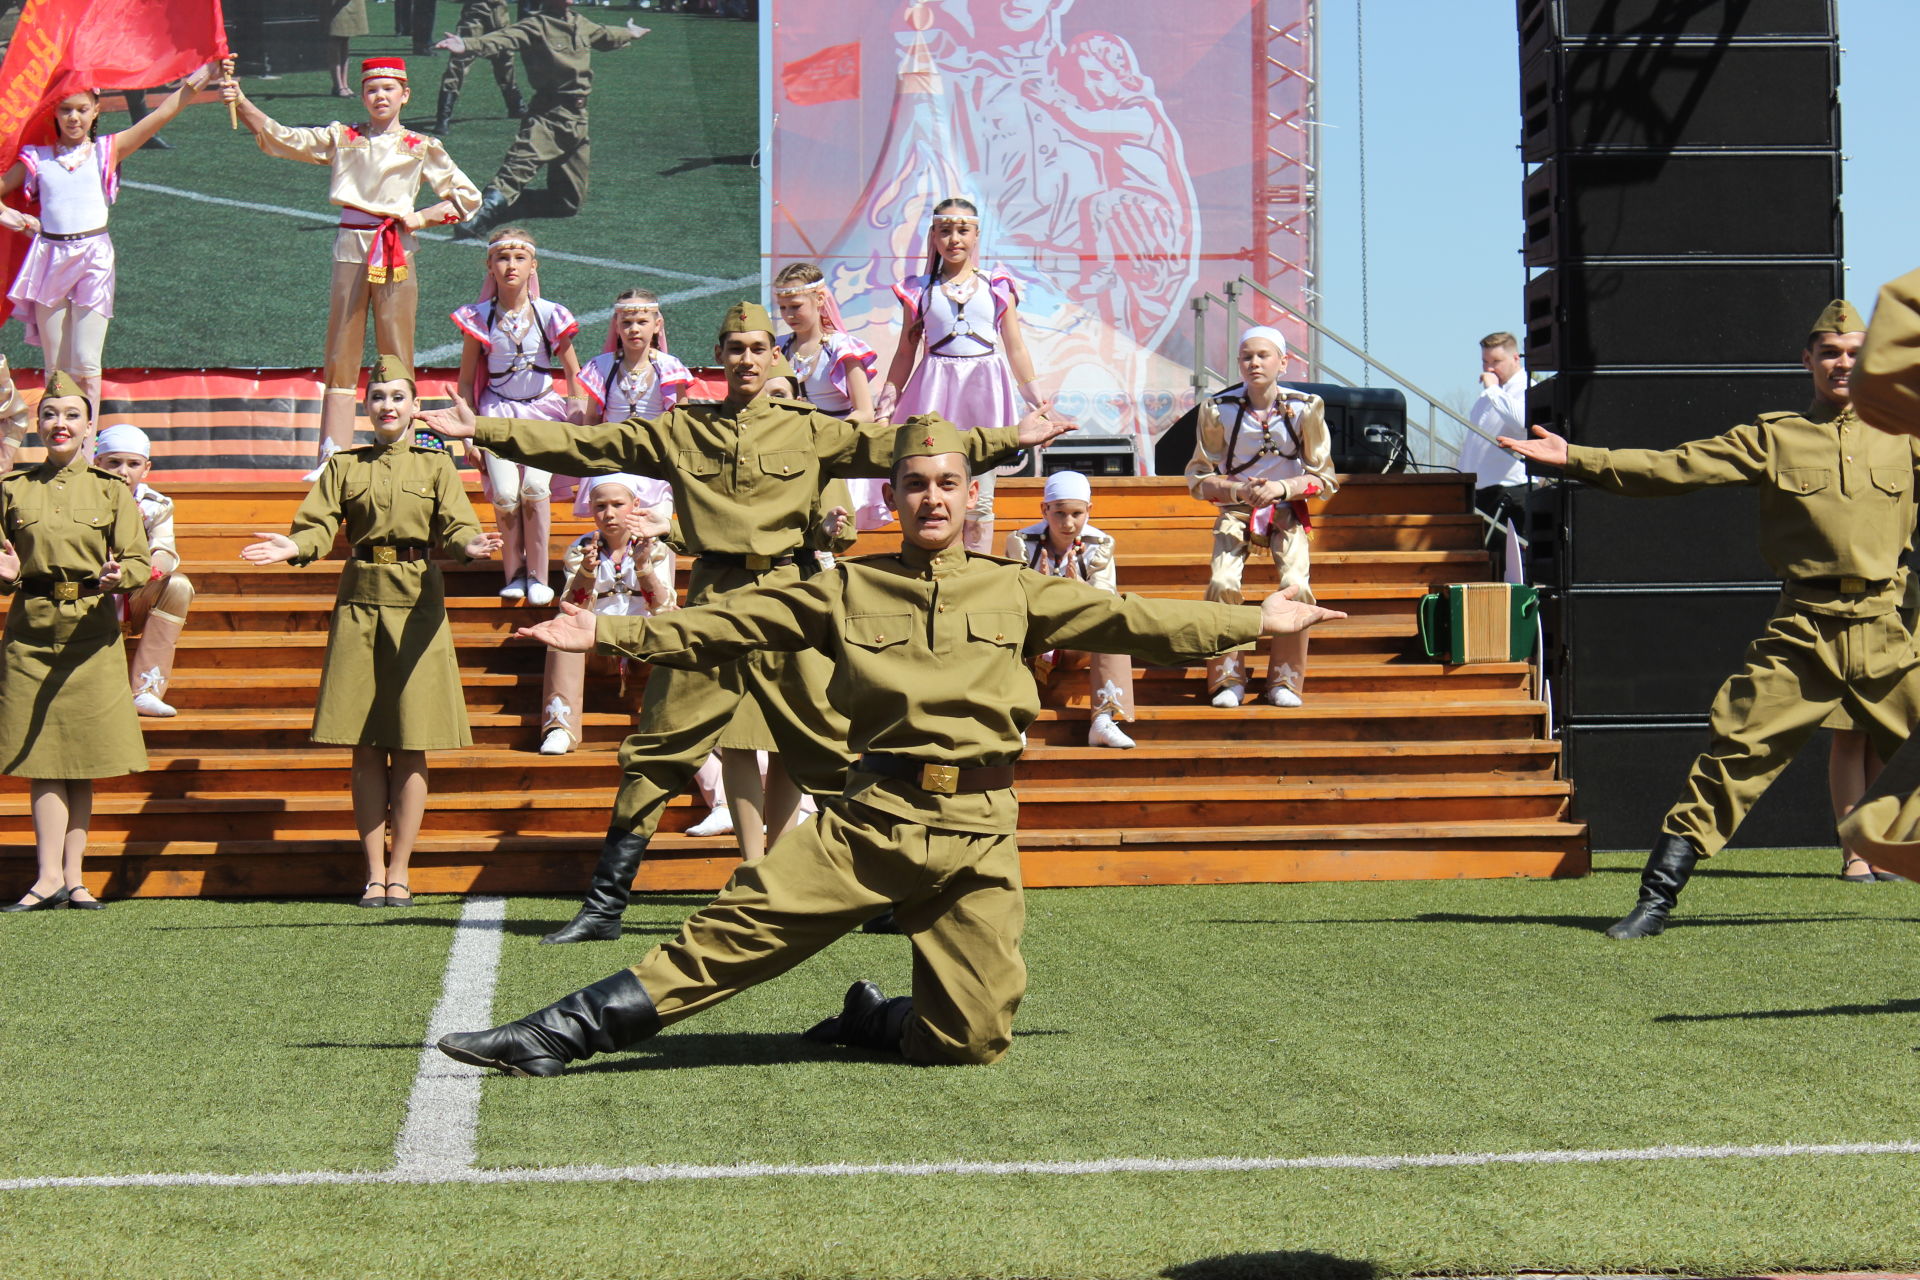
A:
(1280, 1264)
(1829, 1011)
(691, 163)
(676, 1050)
(412, 1046)
(1586, 924)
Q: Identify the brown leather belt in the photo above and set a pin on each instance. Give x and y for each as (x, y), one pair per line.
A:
(60, 589)
(940, 779)
(388, 553)
(64, 236)
(1846, 586)
(752, 563)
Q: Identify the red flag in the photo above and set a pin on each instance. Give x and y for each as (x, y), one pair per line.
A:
(64, 46)
(831, 75)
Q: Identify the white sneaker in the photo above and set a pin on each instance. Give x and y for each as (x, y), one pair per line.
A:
(557, 743)
(148, 704)
(1229, 696)
(718, 822)
(1279, 695)
(516, 589)
(539, 593)
(1105, 733)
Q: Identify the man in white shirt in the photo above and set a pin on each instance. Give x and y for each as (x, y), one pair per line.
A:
(1500, 478)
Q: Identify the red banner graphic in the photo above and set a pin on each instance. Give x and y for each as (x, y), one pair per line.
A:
(831, 75)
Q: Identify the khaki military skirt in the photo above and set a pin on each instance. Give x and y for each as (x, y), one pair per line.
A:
(346, 18)
(391, 679)
(65, 709)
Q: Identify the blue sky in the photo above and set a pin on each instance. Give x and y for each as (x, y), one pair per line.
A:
(1444, 172)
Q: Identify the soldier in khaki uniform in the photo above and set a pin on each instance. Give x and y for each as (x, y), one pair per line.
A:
(557, 47)
(747, 474)
(929, 649)
(390, 686)
(1885, 826)
(1837, 513)
(73, 540)
(477, 18)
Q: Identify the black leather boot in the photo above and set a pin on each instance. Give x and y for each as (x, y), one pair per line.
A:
(443, 115)
(516, 107)
(867, 1020)
(1668, 867)
(598, 919)
(491, 213)
(609, 1015)
(882, 923)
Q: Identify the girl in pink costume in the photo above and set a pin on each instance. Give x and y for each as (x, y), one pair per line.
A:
(64, 288)
(515, 342)
(634, 376)
(833, 371)
(976, 372)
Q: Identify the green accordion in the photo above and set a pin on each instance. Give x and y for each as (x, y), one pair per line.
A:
(1479, 622)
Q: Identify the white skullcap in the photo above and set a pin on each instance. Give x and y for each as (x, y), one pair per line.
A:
(630, 483)
(1265, 333)
(122, 437)
(1068, 486)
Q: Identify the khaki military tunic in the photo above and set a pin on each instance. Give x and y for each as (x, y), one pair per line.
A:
(64, 710)
(557, 51)
(929, 652)
(390, 678)
(477, 18)
(1836, 515)
(1884, 827)
(744, 485)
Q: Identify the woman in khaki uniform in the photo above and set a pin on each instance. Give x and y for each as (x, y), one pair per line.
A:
(390, 687)
(73, 538)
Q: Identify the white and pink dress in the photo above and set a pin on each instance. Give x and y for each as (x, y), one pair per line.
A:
(648, 391)
(71, 262)
(963, 374)
(521, 357)
(823, 384)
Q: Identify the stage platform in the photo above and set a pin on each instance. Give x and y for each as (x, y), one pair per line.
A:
(1396, 767)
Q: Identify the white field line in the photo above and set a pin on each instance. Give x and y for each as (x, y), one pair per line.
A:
(443, 1111)
(961, 1168)
(310, 215)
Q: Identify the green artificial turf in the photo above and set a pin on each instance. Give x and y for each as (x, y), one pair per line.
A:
(1346, 1019)
(674, 129)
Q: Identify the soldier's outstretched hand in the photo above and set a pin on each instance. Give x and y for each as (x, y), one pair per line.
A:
(452, 424)
(1546, 448)
(1281, 614)
(571, 631)
(452, 44)
(1037, 428)
(273, 548)
(482, 546)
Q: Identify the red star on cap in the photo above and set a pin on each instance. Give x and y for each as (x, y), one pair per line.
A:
(928, 441)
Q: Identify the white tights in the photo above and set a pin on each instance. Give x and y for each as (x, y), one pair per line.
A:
(73, 340)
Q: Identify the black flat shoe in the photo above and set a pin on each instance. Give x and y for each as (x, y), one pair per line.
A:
(1890, 875)
(88, 904)
(373, 899)
(402, 899)
(41, 901)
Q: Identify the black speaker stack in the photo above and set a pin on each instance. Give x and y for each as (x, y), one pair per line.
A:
(1682, 233)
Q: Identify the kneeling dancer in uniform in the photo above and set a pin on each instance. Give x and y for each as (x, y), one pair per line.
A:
(1836, 515)
(747, 474)
(926, 822)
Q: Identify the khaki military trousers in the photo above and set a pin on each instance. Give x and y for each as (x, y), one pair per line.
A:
(683, 713)
(1803, 667)
(352, 297)
(554, 137)
(477, 18)
(956, 895)
(1286, 543)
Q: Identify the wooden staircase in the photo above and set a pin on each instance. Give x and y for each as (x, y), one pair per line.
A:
(1396, 767)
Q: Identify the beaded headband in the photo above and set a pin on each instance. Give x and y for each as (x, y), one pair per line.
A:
(513, 243)
(632, 306)
(965, 219)
(795, 290)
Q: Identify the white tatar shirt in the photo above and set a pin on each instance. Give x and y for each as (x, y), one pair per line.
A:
(1500, 411)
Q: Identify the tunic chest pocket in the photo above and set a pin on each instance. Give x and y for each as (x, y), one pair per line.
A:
(695, 463)
(417, 491)
(876, 631)
(997, 626)
(93, 517)
(18, 518)
(783, 464)
(1805, 480)
(1893, 479)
